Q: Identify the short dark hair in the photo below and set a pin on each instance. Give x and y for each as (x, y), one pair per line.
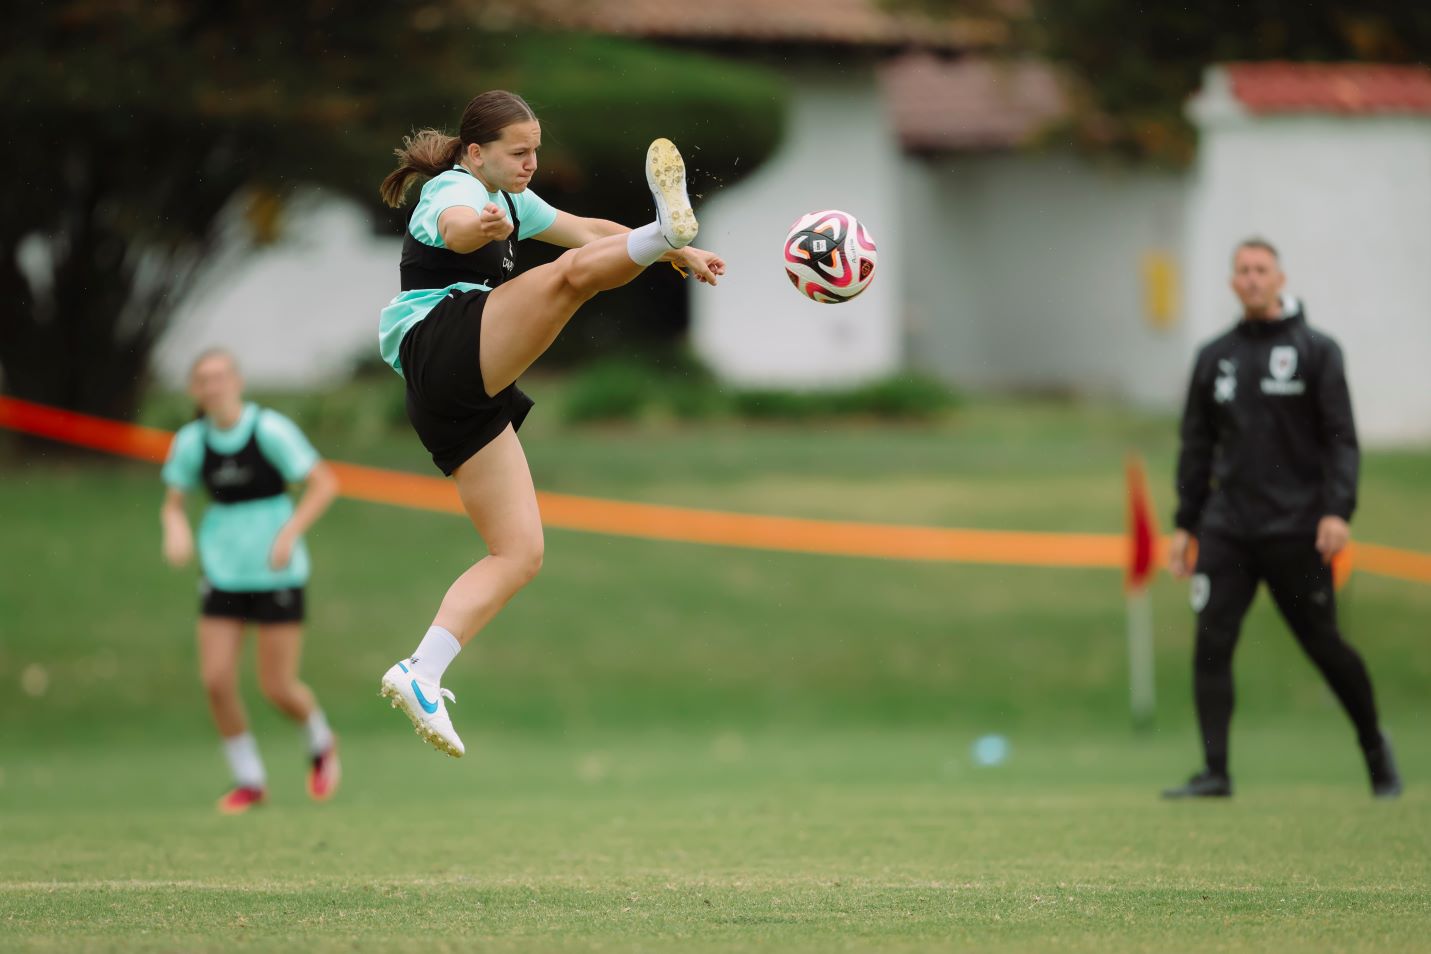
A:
(1257, 242)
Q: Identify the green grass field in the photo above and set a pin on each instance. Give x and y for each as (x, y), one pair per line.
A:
(684, 748)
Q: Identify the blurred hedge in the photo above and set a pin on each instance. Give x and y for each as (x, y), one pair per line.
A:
(628, 390)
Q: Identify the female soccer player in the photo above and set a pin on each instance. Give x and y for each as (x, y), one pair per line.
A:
(254, 563)
(462, 331)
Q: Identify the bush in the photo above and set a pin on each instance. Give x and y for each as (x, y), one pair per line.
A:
(627, 389)
(616, 390)
(902, 397)
(770, 404)
(908, 397)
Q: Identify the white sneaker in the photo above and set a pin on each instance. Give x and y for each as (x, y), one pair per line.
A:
(424, 704)
(666, 175)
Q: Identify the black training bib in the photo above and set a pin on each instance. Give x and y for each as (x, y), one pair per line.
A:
(426, 266)
(245, 475)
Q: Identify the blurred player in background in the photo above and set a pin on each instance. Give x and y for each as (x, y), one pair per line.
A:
(254, 564)
(1267, 482)
(464, 329)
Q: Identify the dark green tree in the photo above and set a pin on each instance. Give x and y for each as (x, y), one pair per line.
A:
(1139, 62)
(143, 137)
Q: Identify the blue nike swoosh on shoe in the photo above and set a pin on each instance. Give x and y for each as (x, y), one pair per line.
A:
(428, 707)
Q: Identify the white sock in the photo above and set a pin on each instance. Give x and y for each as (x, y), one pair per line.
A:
(434, 654)
(320, 737)
(646, 245)
(244, 762)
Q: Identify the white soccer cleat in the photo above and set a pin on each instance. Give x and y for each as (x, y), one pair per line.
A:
(424, 704)
(666, 175)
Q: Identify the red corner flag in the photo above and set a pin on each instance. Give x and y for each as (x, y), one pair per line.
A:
(1142, 563)
(1142, 529)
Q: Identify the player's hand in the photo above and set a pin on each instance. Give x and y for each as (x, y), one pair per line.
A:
(1178, 564)
(493, 223)
(282, 551)
(178, 547)
(706, 266)
(1332, 536)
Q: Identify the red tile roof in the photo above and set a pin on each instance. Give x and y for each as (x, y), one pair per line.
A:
(828, 22)
(1357, 88)
(971, 103)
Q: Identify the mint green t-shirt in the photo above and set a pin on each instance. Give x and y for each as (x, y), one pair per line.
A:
(235, 539)
(440, 193)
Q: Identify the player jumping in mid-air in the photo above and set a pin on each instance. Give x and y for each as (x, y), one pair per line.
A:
(463, 330)
(254, 563)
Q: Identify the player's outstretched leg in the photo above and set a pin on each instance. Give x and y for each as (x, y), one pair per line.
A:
(522, 317)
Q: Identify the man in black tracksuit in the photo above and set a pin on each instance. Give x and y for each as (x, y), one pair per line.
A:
(1267, 481)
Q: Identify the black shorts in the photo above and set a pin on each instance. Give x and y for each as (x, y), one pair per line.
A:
(260, 606)
(446, 400)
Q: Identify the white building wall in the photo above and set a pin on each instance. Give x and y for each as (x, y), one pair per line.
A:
(1347, 201)
(755, 329)
(295, 314)
(945, 296)
(1026, 272)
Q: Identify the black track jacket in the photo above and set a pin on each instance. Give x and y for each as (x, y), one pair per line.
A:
(1268, 442)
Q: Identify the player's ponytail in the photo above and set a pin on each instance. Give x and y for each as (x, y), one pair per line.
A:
(428, 152)
(425, 153)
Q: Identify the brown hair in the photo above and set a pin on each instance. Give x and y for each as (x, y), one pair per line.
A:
(428, 152)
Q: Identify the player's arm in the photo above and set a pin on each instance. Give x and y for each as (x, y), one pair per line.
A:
(1194, 480)
(320, 488)
(1341, 454)
(574, 231)
(290, 451)
(178, 537)
(319, 491)
(465, 229)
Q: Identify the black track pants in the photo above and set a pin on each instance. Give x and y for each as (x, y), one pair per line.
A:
(1226, 578)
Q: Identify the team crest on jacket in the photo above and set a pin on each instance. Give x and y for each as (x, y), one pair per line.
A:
(1284, 362)
(1282, 365)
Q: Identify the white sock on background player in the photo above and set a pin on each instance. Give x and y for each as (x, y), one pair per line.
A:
(320, 736)
(244, 760)
(434, 654)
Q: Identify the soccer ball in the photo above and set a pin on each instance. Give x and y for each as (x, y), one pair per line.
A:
(829, 256)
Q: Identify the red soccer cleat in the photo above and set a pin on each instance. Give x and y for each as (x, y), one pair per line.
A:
(241, 799)
(324, 775)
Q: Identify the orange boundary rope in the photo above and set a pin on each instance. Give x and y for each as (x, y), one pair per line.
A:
(684, 524)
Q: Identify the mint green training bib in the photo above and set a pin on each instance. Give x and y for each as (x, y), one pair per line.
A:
(235, 539)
